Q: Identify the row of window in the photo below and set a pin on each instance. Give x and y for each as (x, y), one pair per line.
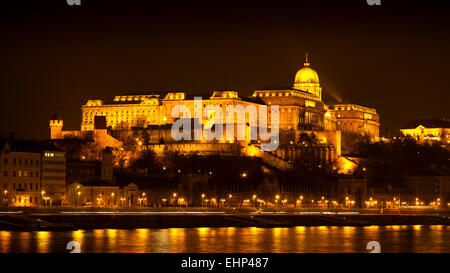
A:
(54, 170)
(26, 186)
(19, 161)
(54, 162)
(21, 173)
(117, 113)
(53, 178)
(52, 154)
(26, 199)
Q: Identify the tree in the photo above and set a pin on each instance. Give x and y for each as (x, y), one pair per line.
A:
(147, 161)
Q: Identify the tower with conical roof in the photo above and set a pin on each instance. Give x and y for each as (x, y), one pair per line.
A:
(307, 79)
(56, 125)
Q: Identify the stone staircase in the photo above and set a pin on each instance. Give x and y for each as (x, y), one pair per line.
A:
(273, 160)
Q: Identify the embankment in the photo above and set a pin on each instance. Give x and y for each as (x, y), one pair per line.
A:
(129, 221)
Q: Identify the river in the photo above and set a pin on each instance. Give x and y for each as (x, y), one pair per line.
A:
(322, 239)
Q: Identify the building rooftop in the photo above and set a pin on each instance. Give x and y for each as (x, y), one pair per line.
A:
(27, 146)
(429, 123)
(138, 98)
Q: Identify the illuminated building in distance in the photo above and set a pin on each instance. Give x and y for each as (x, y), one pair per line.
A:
(428, 130)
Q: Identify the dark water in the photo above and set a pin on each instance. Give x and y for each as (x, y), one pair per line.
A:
(294, 239)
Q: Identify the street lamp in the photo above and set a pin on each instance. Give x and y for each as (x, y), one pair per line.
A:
(43, 198)
(174, 197)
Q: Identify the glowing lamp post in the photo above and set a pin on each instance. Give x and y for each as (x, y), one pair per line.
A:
(174, 198)
(5, 199)
(78, 198)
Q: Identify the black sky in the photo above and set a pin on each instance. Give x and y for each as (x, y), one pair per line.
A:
(393, 57)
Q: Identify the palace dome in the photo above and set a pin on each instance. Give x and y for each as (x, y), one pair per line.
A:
(306, 74)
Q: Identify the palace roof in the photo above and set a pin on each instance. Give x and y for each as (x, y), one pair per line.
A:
(429, 123)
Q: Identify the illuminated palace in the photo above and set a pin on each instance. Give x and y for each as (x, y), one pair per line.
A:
(301, 111)
(357, 119)
(301, 106)
(428, 130)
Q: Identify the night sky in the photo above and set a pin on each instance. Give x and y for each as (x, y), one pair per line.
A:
(56, 56)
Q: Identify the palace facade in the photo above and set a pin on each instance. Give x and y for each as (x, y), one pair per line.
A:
(353, 118)
(301, 112)
(301, 106)
(428, 130)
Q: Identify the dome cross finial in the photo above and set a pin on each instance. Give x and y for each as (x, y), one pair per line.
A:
(306, 59)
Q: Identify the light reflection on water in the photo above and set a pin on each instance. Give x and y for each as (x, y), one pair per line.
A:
(233, 239)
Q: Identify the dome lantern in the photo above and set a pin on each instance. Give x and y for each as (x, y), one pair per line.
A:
(306, 75)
